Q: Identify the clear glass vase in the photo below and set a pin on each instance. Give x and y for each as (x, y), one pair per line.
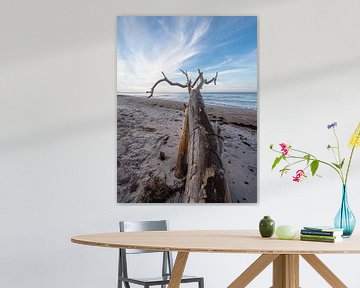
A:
(345, 219)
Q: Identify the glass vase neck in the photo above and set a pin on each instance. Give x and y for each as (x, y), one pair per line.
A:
(345, 219)
(344, 189)
(344, 195)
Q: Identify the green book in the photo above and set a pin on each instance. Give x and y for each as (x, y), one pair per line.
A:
(321, 239)
(319, 236)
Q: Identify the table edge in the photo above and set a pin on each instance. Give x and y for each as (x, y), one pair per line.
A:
(205, 250)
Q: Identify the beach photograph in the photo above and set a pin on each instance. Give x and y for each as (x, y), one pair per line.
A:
(187, 109)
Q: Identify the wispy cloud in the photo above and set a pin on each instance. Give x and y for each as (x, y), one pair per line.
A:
(145, 55)
(237, 73)
(149, 45)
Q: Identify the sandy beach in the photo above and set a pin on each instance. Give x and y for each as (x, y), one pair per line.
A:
(148, 132)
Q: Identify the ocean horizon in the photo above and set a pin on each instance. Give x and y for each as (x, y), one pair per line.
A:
(245, 100)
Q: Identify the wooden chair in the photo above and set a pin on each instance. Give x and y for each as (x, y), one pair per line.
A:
(167, 262)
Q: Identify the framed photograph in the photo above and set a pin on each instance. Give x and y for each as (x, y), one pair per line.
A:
(187, 109)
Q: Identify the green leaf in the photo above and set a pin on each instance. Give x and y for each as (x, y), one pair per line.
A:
(276, 162)
(307, 157)
(342, 163)
(336, 165)
(271, 146)
(339, 166)
(314, 166)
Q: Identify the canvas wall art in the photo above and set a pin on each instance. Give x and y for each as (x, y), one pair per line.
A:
(187, 109)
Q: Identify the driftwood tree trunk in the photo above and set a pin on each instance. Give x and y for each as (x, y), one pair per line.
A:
(199, 153)
(181, 161)
(205, 180)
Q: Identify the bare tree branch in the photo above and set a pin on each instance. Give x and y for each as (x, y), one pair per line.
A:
(201, 77)
(203, 81)
(188, 84)
(188, 81)
(196, 80)
(186, 75)
(213, 79)
(166, 80)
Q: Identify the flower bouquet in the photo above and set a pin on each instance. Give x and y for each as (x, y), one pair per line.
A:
(292, 157)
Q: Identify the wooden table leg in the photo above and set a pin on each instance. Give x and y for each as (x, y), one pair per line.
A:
(178, 269)
(253, 270)
(324, 271)
(293, 264)
(286, 271)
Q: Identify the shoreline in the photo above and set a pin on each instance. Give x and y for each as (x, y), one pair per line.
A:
(160, 97)
(242, 117)
(148, 132)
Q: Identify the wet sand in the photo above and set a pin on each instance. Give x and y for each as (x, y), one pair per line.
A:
(147, 128)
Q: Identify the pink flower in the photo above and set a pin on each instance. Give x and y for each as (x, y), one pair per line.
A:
(284, 148)
(300, 174)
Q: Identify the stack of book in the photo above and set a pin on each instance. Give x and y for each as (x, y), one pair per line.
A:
(321, 234)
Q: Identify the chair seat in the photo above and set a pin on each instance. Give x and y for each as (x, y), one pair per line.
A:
(158, 280)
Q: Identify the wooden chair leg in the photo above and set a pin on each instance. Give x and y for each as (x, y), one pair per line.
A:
(178, 269)
(253, 270)
(324, 271)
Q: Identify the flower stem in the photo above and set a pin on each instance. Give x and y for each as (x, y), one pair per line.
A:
(348, 167)
(312, 159)
(320, 161)
(339, 156)
(304, 152)
(338, 171)
(296, 162)
(338, 146)
(333, 152)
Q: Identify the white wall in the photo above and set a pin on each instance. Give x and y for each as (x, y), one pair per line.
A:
(58, 134)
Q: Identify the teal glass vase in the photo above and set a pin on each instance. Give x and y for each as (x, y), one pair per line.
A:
(345, 219)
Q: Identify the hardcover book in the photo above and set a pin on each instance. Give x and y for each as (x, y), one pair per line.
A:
(320, 237)
(321, 233)
(325, 240)
(323, 228)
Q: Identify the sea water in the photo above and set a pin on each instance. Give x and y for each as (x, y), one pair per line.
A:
(246, 100)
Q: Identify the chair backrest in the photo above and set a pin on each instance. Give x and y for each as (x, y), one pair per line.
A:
(136, 226)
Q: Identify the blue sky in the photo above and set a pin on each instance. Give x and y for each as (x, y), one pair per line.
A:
(148, 45)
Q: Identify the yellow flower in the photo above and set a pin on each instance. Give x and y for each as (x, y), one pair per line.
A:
(355, 138)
